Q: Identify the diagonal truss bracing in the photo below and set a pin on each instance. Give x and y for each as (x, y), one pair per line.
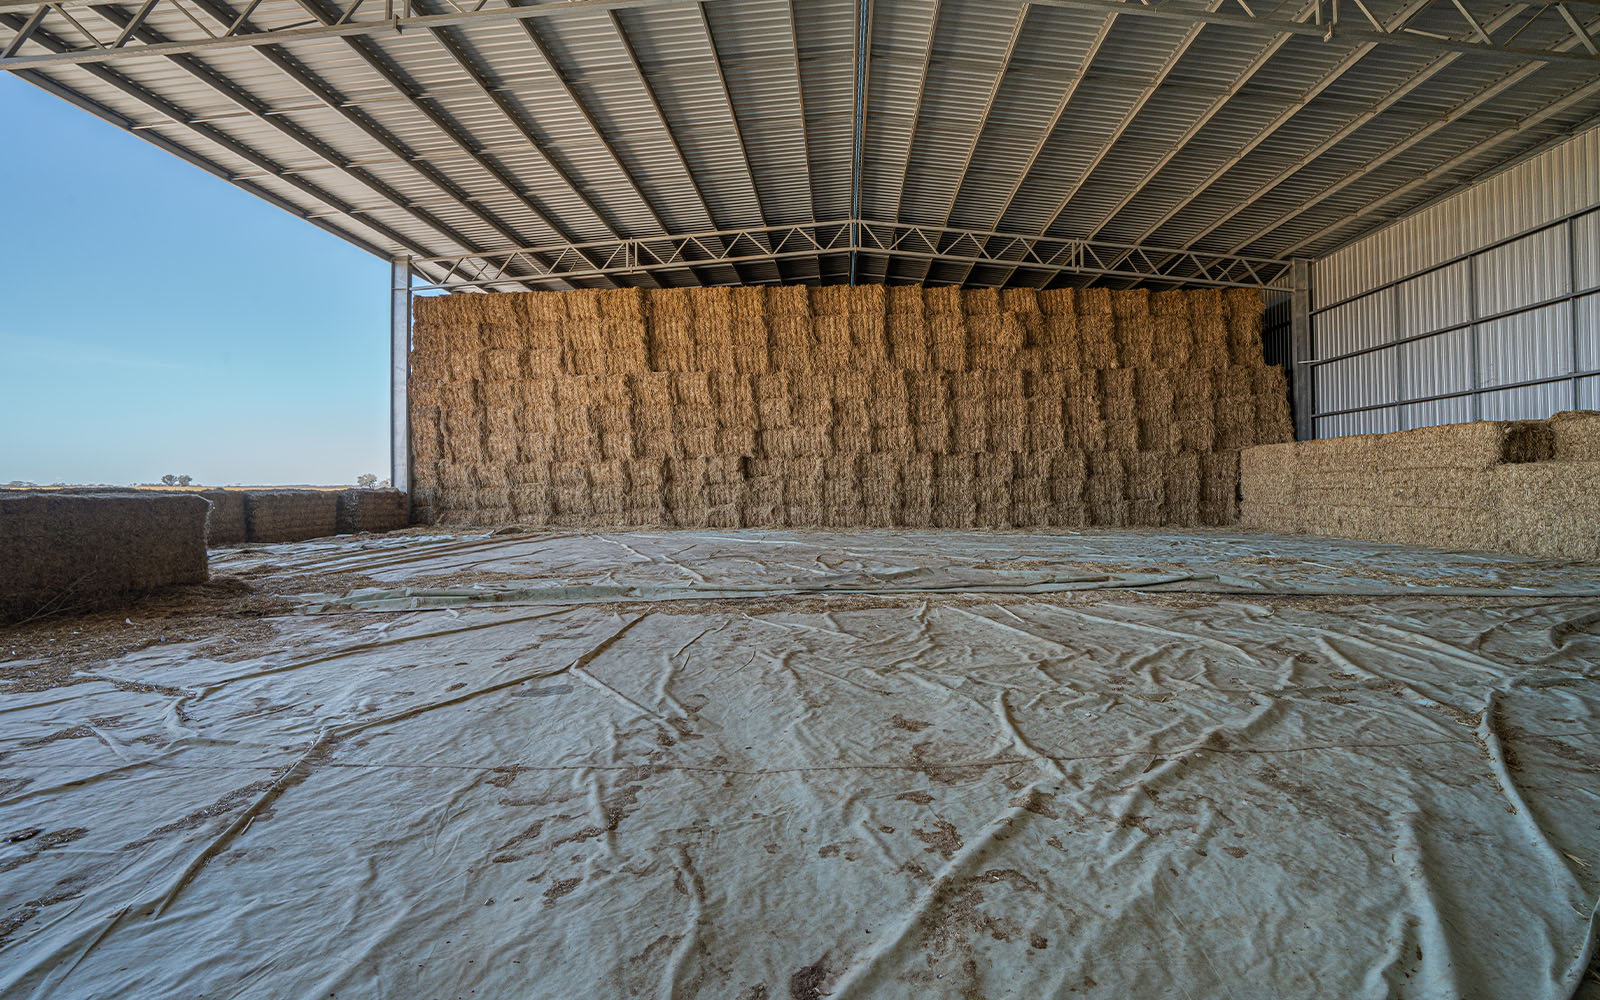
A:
(1030, 253)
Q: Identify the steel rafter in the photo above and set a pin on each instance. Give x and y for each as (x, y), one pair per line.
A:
(576, 261)
(263, 23)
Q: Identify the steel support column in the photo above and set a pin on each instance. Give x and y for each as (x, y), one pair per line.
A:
(400, 376)
(1300, 349)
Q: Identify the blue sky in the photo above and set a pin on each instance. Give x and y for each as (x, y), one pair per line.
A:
(156, 319)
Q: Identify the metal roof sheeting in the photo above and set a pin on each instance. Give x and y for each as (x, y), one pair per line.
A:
(651, 118)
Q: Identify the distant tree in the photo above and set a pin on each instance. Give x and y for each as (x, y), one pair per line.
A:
(385, 484)
(185, 480)
(21, 482)
(366, 480)
(169, 480)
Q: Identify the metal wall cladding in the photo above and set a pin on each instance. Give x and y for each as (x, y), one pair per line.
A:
(1553, 342)
(1558, 182)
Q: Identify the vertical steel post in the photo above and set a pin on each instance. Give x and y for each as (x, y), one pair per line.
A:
(1572, 308)
(1300, 350)
(399, 375)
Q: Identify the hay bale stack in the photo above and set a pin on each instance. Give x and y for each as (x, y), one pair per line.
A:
(66, 553)
(1575, 436)
(887, 383)
(370, 510)
(1479, 445)
(1134, 328)
(1548, 509)
(290, 515)
(225, 521)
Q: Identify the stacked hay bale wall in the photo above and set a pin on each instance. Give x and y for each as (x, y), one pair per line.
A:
(838, 406)
(67, 553)
(1531, 487)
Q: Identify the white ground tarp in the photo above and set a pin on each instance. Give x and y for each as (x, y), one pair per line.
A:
(769, 765)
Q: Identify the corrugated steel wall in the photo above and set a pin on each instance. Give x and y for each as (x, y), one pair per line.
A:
(1484, 306)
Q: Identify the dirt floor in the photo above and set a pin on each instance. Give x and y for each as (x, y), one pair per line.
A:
(805, 764)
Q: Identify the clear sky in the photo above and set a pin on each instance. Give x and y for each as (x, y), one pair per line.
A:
(156, 319)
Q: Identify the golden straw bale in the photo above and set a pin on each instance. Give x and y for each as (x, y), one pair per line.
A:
(1282, 519)
(733, 398)
(1273, 422)
(833, 348)
(993, 341)
(904, 300)
(462, 440)
(1021, 301)
(926, 396)
(888, 399)
(1208, 326)
(1181, 484)
(869, 339)
(1058, 343)
(622, 306)
(1107, 513)
(1270, 474)
(427, 433)
(461, 367)
(907, 334)
(830, 300)
(1086, 428)
(792, 343)
(980, 302)
(1244, 308)
(1575, 436)
(747, 304)
(713, 342)
(771, 393)
(1146, 488)
(811, 400)
(944, 299)
(750, 339)
(916, 486)
(1134, 330)
(786, 302)
(1549, 509)
(954, 501)
(530, 502)
(1107, 478)
(1058, 302)
(947, 339)
(1067, 474)
(893, 438)
(969, 413)
(671, 345)
(667, 304)
(1478, 445)
(1097, 347)
(650, 409)
(1006, 419)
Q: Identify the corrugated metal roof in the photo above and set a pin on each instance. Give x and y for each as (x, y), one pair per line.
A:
(616, 120)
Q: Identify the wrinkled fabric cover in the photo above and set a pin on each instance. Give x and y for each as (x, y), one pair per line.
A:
(860, 777)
